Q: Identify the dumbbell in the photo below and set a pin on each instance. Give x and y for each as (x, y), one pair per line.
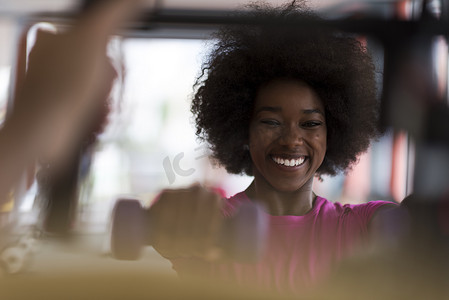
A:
(242, 237)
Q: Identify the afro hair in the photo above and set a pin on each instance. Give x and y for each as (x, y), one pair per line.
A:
(246, 57)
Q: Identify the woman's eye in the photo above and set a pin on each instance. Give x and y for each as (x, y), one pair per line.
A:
(312, 124)
(270, 122)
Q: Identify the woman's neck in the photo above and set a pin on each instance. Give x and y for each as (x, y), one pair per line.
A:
(278, 203)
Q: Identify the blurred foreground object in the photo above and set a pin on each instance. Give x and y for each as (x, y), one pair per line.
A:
(53, 106)
(59, 90)
(124, 285)
(242, 237)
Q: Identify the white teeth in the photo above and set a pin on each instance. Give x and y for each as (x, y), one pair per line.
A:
(289, 163)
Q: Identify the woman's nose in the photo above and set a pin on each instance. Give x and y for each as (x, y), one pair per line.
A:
(292, 136)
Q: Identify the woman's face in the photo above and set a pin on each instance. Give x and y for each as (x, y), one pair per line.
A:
(287, 135)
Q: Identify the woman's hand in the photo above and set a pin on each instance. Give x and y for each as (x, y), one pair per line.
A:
(188, 223)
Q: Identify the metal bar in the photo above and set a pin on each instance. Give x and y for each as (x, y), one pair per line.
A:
(210, 20)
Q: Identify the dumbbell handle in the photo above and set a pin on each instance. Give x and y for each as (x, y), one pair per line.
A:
(242, 237)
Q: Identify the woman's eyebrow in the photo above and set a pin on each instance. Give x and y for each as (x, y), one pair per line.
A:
(279, 109)
(313, 111)
(269, 108)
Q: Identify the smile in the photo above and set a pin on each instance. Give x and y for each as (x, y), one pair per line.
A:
(292, 162)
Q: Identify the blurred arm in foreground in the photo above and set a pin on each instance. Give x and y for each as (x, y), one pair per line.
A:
(58, 95)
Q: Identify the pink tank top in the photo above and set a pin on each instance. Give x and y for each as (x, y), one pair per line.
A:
(301, 251)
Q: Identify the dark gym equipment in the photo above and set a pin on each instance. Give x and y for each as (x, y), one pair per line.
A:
(242, 236)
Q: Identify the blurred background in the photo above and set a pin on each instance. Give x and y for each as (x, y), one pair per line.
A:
(149, 143)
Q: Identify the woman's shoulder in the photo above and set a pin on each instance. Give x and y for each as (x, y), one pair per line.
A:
(370, 206)
(348, 217)
(366, 209)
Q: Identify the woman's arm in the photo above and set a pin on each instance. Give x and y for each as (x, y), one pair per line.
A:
(389, 224)
(58, 95)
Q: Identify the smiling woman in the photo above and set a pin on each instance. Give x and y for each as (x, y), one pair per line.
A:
(284, 105)
(287, 137)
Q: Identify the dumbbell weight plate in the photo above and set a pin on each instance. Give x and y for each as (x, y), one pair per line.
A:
(128, 229)
(245, 234)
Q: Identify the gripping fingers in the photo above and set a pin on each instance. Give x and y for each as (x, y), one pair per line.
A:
(187, 222)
